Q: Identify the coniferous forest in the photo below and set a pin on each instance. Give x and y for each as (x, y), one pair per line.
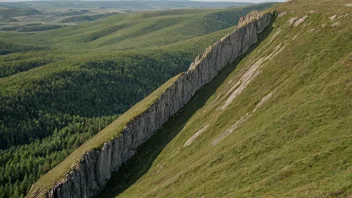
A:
(62, 82)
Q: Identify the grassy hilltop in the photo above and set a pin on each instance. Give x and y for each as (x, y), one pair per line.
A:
(286, 134)
(60, 87)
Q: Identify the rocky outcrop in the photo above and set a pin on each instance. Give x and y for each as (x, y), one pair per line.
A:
(253, 15)
(90, 175)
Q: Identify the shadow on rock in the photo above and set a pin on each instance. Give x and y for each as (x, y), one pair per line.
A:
(140, 163)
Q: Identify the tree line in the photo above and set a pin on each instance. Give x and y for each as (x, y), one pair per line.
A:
(44, 120)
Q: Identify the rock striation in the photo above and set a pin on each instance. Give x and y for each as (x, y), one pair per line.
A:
(90, 175)
(253, 15)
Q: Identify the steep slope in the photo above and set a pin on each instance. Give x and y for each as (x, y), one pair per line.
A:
(277, 123)
(85, 172)
(57, 90)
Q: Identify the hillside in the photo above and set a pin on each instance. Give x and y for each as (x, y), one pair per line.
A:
(8, 12)
(85, 172)
(130, 5)
(59, 87)
(277, 123)
(265, 111)
(16, 16)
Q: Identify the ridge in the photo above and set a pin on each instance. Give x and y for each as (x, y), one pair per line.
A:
(89, 174)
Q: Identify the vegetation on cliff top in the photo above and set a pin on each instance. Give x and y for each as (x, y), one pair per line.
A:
(287, 134)
(60, 87)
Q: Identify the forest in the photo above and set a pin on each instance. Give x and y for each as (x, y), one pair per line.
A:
(60, 85)
(43, 124)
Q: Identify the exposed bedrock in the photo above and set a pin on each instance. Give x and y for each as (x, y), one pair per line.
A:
(91, 174)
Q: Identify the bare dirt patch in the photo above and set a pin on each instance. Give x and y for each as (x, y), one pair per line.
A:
(246, 78)
(242, 120)
(332, 17)
(282, 14)
(300, 21)
(264, 100)
(292, 20)
(249, 76)
(231, 129)
(195, 136)
(335, 24)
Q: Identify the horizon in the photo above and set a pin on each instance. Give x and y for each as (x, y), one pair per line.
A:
(215, 1)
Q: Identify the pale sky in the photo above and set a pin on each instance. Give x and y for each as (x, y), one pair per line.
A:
(249, 1)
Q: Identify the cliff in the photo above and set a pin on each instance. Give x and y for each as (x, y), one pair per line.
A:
(90, 175)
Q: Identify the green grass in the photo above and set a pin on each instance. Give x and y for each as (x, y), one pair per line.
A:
(130, 33)
(121, 5)
(13, 12)
(298, 144)
(117, 36)
(137, 27)
(55, 83)
(85, 18)
(109, 133)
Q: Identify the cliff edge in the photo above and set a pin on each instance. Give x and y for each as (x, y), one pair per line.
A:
(90, 174)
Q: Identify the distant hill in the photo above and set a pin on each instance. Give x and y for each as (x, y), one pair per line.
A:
(13, 12)
(127, 5)
(9, 20)
(59, 87)
(86, 18)
(276, 121)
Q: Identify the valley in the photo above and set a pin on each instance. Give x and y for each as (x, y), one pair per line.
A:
(62, 86)
(180, 103)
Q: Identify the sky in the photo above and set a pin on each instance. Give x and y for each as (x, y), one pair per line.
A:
(250, 1)
(247, 1)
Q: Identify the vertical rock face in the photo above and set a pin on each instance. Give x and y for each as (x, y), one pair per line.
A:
(91, 174)
(249, 17)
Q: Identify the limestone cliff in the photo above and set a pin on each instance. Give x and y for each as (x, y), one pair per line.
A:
(90, 175)
(249, 17)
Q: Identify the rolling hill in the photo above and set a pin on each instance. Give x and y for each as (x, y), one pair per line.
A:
(59, 87)
(13, 12)
(276, 122)
(129, 5)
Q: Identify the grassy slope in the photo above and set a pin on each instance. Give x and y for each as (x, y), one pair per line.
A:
(71, 46)
(120, 35)
(62, 54)
(13, 12)
(124, 5)
(126, 27)
(298, 144)
(45, 182)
